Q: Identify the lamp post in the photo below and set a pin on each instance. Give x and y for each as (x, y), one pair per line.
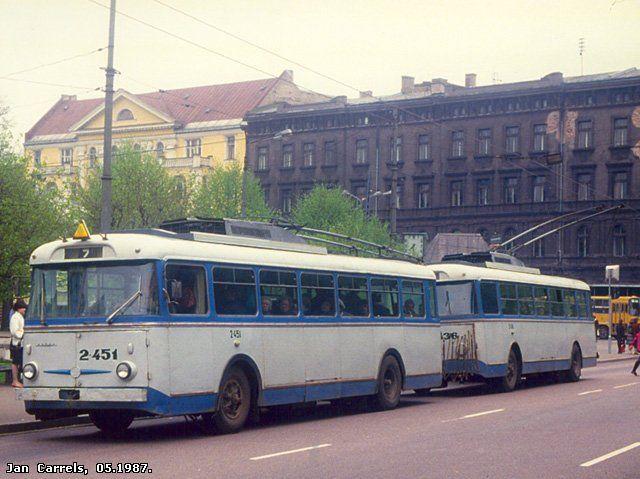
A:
(278, 136)
(368, 197)
(611, 272)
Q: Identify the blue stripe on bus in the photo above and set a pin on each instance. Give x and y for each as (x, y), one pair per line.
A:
(480, 368)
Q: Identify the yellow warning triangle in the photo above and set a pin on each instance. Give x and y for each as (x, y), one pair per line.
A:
(82, 232)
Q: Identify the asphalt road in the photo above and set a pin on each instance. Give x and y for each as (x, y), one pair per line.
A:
(544, 430)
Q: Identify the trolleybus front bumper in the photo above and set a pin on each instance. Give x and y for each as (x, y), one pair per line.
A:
(80, 395)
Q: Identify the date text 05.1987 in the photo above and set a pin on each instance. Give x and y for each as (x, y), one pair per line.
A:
(122, 468)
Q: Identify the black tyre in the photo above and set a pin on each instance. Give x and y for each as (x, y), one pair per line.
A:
(111, 422)
(389, 384)
(575, 370)
(234, 402)
(422, 392)
(603, 332)
(510, 381)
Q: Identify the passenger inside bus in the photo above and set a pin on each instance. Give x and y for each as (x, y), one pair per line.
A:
(410, 308)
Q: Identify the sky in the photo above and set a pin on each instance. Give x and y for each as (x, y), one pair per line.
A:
(363, 44)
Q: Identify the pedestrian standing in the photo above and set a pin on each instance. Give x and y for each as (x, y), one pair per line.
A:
(621, 336)
(636, 343)
(16, 326)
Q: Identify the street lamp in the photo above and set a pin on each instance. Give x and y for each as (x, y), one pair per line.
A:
(368, 197)
(278, 136)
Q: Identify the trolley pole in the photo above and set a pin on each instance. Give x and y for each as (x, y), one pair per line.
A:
(106, 209)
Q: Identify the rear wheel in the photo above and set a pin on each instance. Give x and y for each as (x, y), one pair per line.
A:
(511, 380)
(603, 332)
(111, 422)
(575, 370)
(389, 384)
(234, 403)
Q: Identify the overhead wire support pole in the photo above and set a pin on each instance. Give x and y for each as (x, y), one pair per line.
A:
(106, 210)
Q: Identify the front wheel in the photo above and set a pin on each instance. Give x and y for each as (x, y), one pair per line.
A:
(511, 380)
(389, 384)
(234, 402)
(111, 422)
(575, 370)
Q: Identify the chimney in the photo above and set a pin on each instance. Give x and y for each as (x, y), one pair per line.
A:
(68, 97)
(470, 80)
(366, 94)
(287, 75)
(407, 84)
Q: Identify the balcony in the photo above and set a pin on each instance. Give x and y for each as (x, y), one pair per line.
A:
(58, 170)
(185, 162)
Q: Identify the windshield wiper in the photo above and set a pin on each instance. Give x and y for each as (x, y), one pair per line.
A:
(123, 307)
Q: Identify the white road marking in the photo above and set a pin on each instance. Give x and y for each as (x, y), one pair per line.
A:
(293, 451)
(590, 392)
(469, 416)
(625, 385)
(610, 455)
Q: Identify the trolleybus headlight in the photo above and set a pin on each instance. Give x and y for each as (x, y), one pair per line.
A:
(126, 370)
(30, 371)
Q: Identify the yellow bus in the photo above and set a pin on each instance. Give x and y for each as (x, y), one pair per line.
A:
(625, 309)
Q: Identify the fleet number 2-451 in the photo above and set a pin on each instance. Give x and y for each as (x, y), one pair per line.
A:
(104, 354)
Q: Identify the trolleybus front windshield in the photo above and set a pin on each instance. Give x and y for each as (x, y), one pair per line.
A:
(89, 290)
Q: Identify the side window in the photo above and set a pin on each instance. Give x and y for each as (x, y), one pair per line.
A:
(279, 291)
(541, 301)
(456, 299)
(557, 309)
(509, 298)
(489, 295)
(353, 296)
(318, 297)
(413, 299)
(570, 306)
(583, 305)
(525, 300)
(187, 289)
(234, 291)
(384, 297)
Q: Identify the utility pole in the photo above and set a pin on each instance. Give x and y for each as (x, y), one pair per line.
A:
(394, 175)
(106, 210)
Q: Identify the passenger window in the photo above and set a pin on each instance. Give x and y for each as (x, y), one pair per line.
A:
(279, 291)
(525, 300)
(557, 308)
(489, 294)
(353, 296)
(583, 305)
(234, 291)
(570, 307)
(457, 299)
(509, 298)
(186, 289)
(318, 297)
(384, 297)
(541, 301)
(413, 299)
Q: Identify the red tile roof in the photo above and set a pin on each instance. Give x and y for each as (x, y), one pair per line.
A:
(184, 105)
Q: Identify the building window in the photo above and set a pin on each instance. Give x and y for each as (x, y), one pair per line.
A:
(456, 193)
(66, 156)
(424, 152)
(287, 156)
(583, 242)
(231, 148)
(584, 187)
(194, 147)
(539, 183)
(457, 144)
(263, 155)
(538, 248)
(483, 192)
(93, 156)
(619, 241)
(286, 201)
(399, 192)
(308, 154)
(424, 195)
(362, 147)
(396, 153)
(160, 150)
(508, 234)
(329, 152)
(585, 135)
(539, 137)
(484, 142)
(510, 190)
(513, 139)
(37, 157)
(620, 186)
(620, 129)
(124, 115)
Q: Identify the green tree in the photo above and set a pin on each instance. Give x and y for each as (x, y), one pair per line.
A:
(219, 195)
(143, 193)
(330, 210)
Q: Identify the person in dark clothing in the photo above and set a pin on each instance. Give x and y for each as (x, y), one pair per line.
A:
(636, 343)
(621, 336)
